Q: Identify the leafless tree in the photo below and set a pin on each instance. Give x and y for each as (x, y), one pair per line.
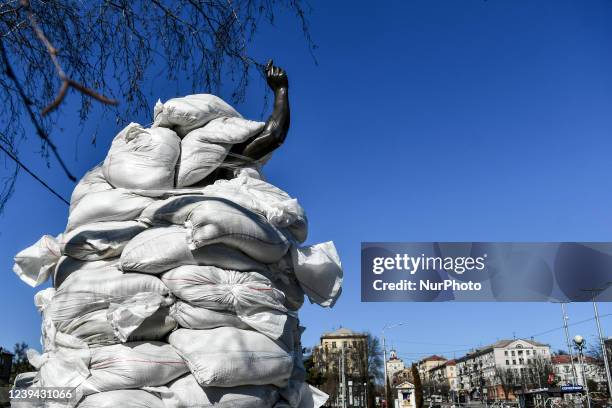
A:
(106, 51)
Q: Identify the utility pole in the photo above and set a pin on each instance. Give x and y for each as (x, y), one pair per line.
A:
(343, 379)
(604, 353)
(385, 327)
(579, 341)
(569, 345)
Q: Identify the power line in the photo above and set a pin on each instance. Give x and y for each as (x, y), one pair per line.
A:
(31, 173)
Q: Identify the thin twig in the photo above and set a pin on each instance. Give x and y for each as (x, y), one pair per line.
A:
(67, 82)
(28, 105)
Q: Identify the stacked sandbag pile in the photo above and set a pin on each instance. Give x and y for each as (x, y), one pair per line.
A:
(173, 292)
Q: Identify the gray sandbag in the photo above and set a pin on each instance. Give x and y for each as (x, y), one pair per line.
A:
(192, 317)
(34, 264)
(123, 399)
(229, 357)
(89, 290)
(132, 365)
(142, 158)
(110, 205)
(261, 197)
(204, 149)
(186, 392)
(191, 112)
(66, 266)
(99, 240)
(160, 249)
(248, 294)
(92, 182)
(220, 221)
(96, 330)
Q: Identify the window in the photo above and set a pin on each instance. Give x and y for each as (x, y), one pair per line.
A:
(520, 352)
(514, 362)
(521, 361)
(505, 352)
(507, 362)
(333, 344)
(527, 352)
(512, 352)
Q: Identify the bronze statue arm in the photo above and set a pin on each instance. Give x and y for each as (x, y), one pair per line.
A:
(275, 130)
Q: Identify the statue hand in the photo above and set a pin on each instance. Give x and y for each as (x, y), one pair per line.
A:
(276, 76)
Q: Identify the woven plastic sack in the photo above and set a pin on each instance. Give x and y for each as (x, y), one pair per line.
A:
(229, 357)
(319, 272)
(89, 290)
(142, 158)
(205, 148)
(191, 112)
(66, 266)
(186, 392)
(95, 329)
(160, 249)
(99, 240)
(92, 182)
(132, 365)
(192, 317)
(219, 221)
(248, 294)
(34, 264)
(123, 399)
(110, 205)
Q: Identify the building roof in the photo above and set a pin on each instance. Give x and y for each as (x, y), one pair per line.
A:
(342, 332)
(433, 358)
(451, 362)
(565, 359)
(498, 344)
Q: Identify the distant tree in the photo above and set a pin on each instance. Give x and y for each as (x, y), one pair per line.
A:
(507, 380)
(107, 52)
(592, 385)
(314, 376)
(418, 387)
(20, 360)
(561, 352)
(537, 372)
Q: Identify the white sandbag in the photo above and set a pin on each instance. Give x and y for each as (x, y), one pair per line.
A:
(122, 398)
(191, 317)
(34, 264)
(160, 249)
(95, 329)
(229, 357)
(205, 148)
(89, 290)
(256, 195)
(191, 112)
(92, 182)
(132, 365)
(319, 272)
(220, 221)
(110, 205)
(66, 266)
(142, 158)
(263, 198)
(186, 392)
(250, 295)
(99, 240)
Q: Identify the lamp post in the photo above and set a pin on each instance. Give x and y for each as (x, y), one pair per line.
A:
(386, 327)
(579, 342)
(604, 353)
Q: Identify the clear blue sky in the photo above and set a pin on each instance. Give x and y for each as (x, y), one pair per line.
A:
(424, 121)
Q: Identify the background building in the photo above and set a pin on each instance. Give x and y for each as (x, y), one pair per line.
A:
(494, 371)
(342, 356)
(444, 378)
(394, 365)
(594, 370)
(425, 365)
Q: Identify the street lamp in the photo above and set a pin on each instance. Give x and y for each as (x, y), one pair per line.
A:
(604, 353)
(579, 342)
(386, 327)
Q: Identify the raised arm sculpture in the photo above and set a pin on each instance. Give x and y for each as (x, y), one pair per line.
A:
(275, 131)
